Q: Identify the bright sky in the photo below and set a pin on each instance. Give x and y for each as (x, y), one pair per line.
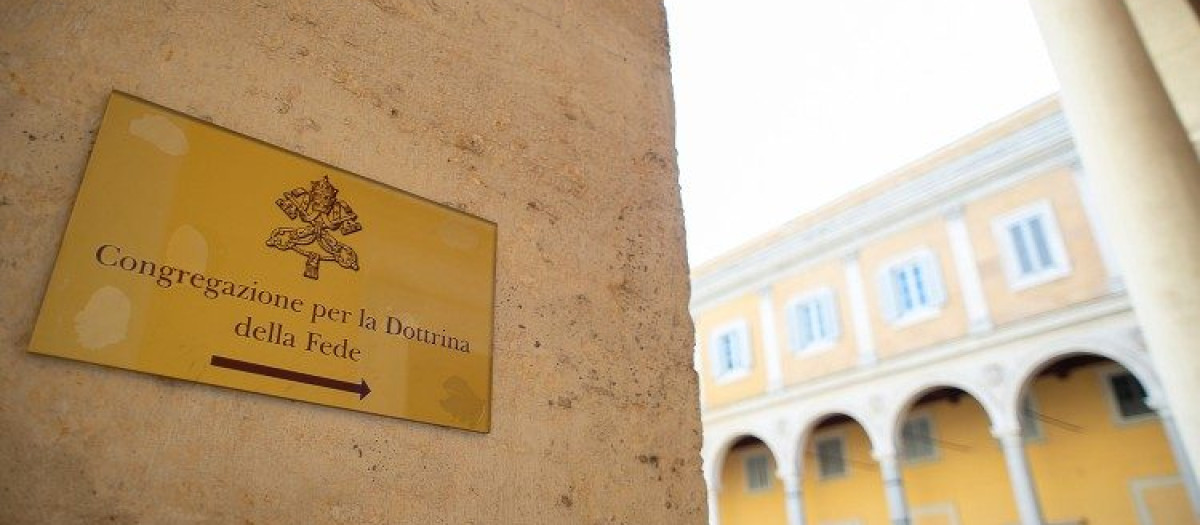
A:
(784, 105)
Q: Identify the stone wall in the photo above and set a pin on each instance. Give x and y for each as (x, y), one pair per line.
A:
(552, 119)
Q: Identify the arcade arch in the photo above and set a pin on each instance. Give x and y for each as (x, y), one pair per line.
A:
(1101, 434)
(747, 484)
(952, 469)
(840, 477)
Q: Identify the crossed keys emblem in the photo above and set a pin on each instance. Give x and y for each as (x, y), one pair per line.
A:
(323, 214)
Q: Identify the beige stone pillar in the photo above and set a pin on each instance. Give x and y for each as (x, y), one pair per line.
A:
(1146, 178)
(893, 487)
(1019, 475)
(793, 494)
(1171, 429)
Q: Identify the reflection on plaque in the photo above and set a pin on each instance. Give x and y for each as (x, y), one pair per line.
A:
(197, 253)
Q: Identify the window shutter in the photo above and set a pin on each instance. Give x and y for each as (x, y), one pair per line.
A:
(1131, 396)
(831, 457)
(887, 295)
(1019, 247)
(808, 326)
(743, 351)
(758, 475)
(1042, 247)
(730, 352)
(916, 439)
(735, 351)
(831, 308)
(934, 280)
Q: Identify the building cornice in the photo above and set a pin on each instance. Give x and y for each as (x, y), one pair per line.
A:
(1031, 150)
(1037, 326)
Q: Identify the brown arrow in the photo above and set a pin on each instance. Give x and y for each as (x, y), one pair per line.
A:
(360, 388)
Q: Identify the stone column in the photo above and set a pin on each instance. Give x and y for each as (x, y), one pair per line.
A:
(1185, 469)
(1028, 507)
(893, 487)
(793, 495)
(1108, 254)
(1146, 179)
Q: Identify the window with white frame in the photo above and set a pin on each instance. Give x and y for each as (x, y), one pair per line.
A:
(1033, 250)
(1128, 396)
(758, 472)
(916, 439)
(831, 457)
(911, 287)
(812, 320)
(730, 351)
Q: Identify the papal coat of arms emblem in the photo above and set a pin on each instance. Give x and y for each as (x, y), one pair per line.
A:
(324, 215)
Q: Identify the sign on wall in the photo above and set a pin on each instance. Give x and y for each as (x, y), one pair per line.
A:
(197, 253)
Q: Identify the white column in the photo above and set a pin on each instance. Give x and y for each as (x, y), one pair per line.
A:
(714, 514)
(1181, 461)
(864, 339)
(893, 487)
(766, 312)
(979, 319)
(793, 495)
(1103, 241)
(1028, 507)
(1146, 179)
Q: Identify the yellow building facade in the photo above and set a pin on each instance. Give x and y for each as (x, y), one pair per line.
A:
(952, 344)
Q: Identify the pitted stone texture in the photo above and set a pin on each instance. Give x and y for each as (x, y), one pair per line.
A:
(553, 119)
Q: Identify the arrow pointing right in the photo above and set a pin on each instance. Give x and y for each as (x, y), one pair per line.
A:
(359, 388)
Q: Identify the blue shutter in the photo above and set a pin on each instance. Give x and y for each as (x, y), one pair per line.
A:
(736, 354)
(812, 322)
(744, 352)
(904, 286)
(1041, 246)
(820, 326)
(724, 354)
(1024, 259)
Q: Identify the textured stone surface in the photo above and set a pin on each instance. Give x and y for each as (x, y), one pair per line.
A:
(553, 119)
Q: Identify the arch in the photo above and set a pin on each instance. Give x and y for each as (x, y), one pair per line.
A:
(855, 486)
(714, 459)
(809, 426)
(1125, 351)
(895, 420)
(1137, 362)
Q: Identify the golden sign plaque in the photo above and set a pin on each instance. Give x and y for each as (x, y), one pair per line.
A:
(197, 253)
